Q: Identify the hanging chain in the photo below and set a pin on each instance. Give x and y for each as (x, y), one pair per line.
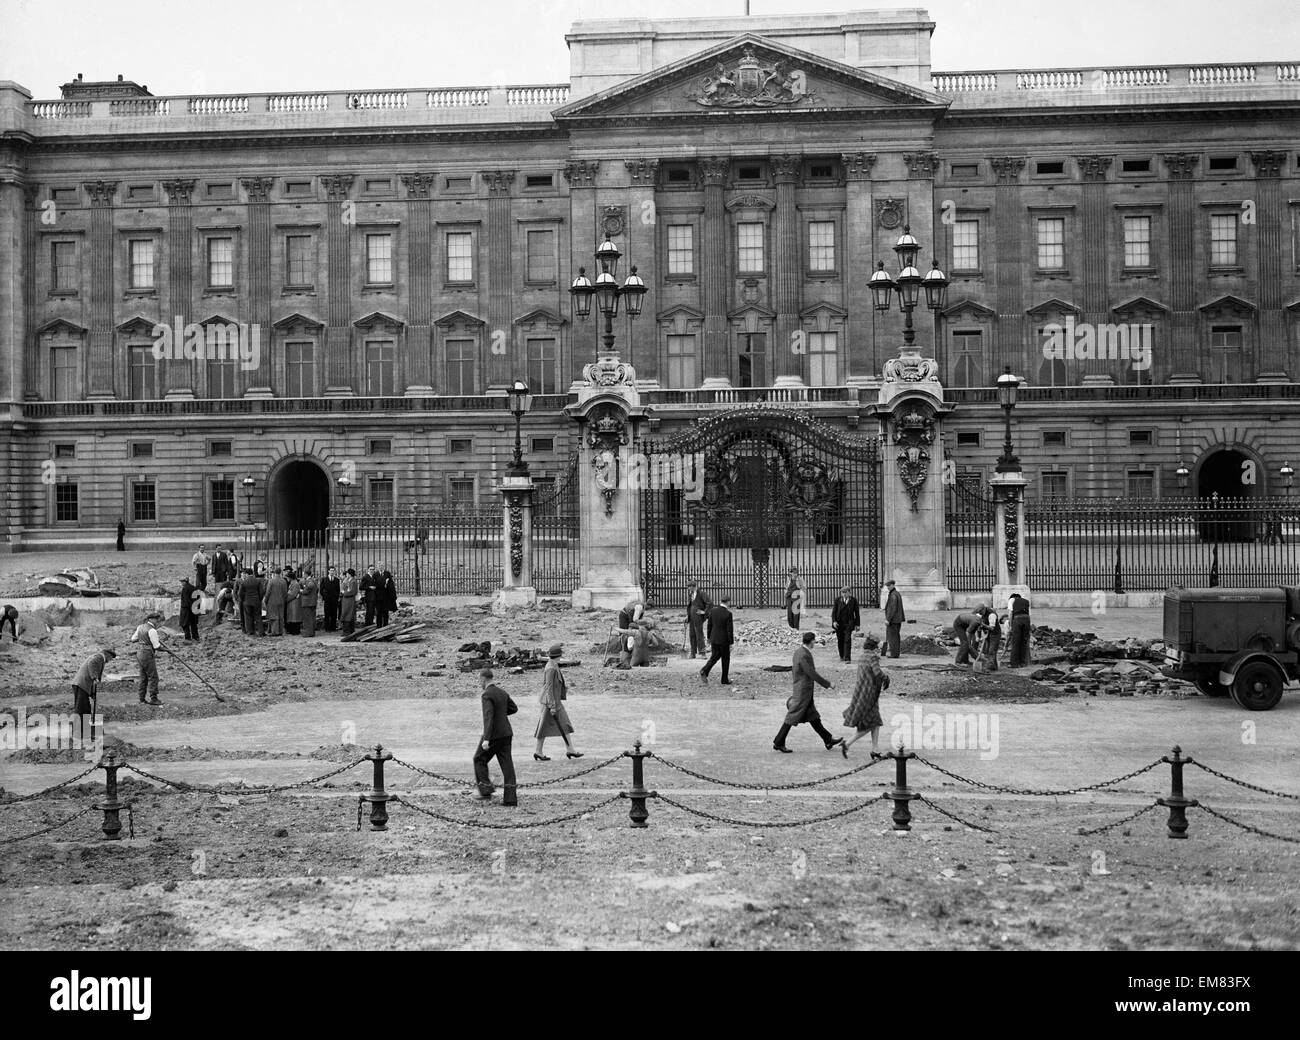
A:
(28, 797)
(1032, 791)
(1243, 783)
(47, 830)
(762, 824)
(952, 816)
(510, 826)
(1248, 827)
(762, 787)
(1119, 823)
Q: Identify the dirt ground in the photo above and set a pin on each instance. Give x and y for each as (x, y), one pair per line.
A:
(244, 870)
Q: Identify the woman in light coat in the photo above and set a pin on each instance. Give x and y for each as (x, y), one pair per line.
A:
(348, 602)
(863, 712)
(293, 606)
(554, 721)
(793, 599)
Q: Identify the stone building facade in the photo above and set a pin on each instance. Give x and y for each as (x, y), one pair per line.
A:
(350, 281)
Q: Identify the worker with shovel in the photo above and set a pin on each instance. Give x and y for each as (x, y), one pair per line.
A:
(150, 641)
(85, 687)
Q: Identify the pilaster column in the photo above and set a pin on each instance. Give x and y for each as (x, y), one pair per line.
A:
(581, 175)
(1092, 230)
(1008, 336)
(419, 265)
(787, 367)
(643, 245)
(340, 218)
(20, 325)
(500, 367)
(861, 365)
(1269, 254)
(260, 279)
(99, 367)
(1184, 343)
(714, 277)
(179, 373)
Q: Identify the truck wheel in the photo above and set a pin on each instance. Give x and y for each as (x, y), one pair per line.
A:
(1211, 688)
(1258, 687)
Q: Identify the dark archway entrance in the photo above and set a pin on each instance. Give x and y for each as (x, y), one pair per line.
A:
(1230, 476)
(298, 498)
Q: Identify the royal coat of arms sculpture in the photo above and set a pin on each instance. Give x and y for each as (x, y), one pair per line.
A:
(751, 84)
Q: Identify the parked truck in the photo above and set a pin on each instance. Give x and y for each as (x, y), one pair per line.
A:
(1243, 642)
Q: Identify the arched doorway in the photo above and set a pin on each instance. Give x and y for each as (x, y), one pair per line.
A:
(1230, 475)
(298, 498)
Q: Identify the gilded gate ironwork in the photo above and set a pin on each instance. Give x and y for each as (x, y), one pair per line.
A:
(741, 496)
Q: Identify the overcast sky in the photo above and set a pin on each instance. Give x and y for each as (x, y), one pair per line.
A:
(235, 46)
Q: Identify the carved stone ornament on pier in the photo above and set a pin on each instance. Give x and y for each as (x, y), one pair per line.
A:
(749, 83)
(1012, 534)
(911, 367)
(914, 434)
(606, 434)
(609, 371)
(515, 505)
(889, 212)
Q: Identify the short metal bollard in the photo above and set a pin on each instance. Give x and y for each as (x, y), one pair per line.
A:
(377, 796)
(110, 806)
(1176, 803)
(638, 794)
(900, 795)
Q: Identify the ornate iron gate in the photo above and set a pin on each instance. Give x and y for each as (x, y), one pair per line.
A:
(556, 534)
(972, 542)
(742, 496)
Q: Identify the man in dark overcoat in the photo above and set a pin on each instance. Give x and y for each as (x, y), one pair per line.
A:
(800, 708)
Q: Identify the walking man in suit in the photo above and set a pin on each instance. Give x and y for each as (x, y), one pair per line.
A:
(721, 637)
(845, 619)
(252, 590)
(495, 741)
(894, 618)
(800, 707)
(698, 606)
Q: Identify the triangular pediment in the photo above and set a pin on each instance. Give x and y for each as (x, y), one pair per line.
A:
(750, 76)
(1228, 305)
(1051, 307)
(61, 327)
(972, 308)
(138, 325)
(1140, 305)
(541, 316)
(379, 320)
(297, 320)
(461, 318)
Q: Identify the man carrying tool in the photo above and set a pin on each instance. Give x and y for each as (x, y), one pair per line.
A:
(150, 641)
(85, 686)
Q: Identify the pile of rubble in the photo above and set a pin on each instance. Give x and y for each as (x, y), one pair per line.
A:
(1125, 678)
(484, 657)
(73, 583)
(1080, 647)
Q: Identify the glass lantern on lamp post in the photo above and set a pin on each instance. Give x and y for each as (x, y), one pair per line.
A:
(908, 285)
(606, 292)
(521, 400)
(1008, 387)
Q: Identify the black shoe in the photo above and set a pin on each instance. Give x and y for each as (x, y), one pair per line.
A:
(573, 754)
(704, 678)
(541, 758)
(155, 701)
(725, 682)
(834, 744)
(782, 748)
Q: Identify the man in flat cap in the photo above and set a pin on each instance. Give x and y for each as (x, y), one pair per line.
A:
(85, 686)
(150, 641)
(894, 618)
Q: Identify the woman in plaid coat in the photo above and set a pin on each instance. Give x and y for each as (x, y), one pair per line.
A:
(863, 712)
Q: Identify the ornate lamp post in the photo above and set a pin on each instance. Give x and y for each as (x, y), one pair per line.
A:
(908, 285)
(1288, 476)
(1182, 473)
(1008, 385)
(520, 402)
(345, 486)
(607, 291)
(248, 483)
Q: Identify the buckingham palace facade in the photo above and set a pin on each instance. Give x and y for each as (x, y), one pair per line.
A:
(213, 307)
